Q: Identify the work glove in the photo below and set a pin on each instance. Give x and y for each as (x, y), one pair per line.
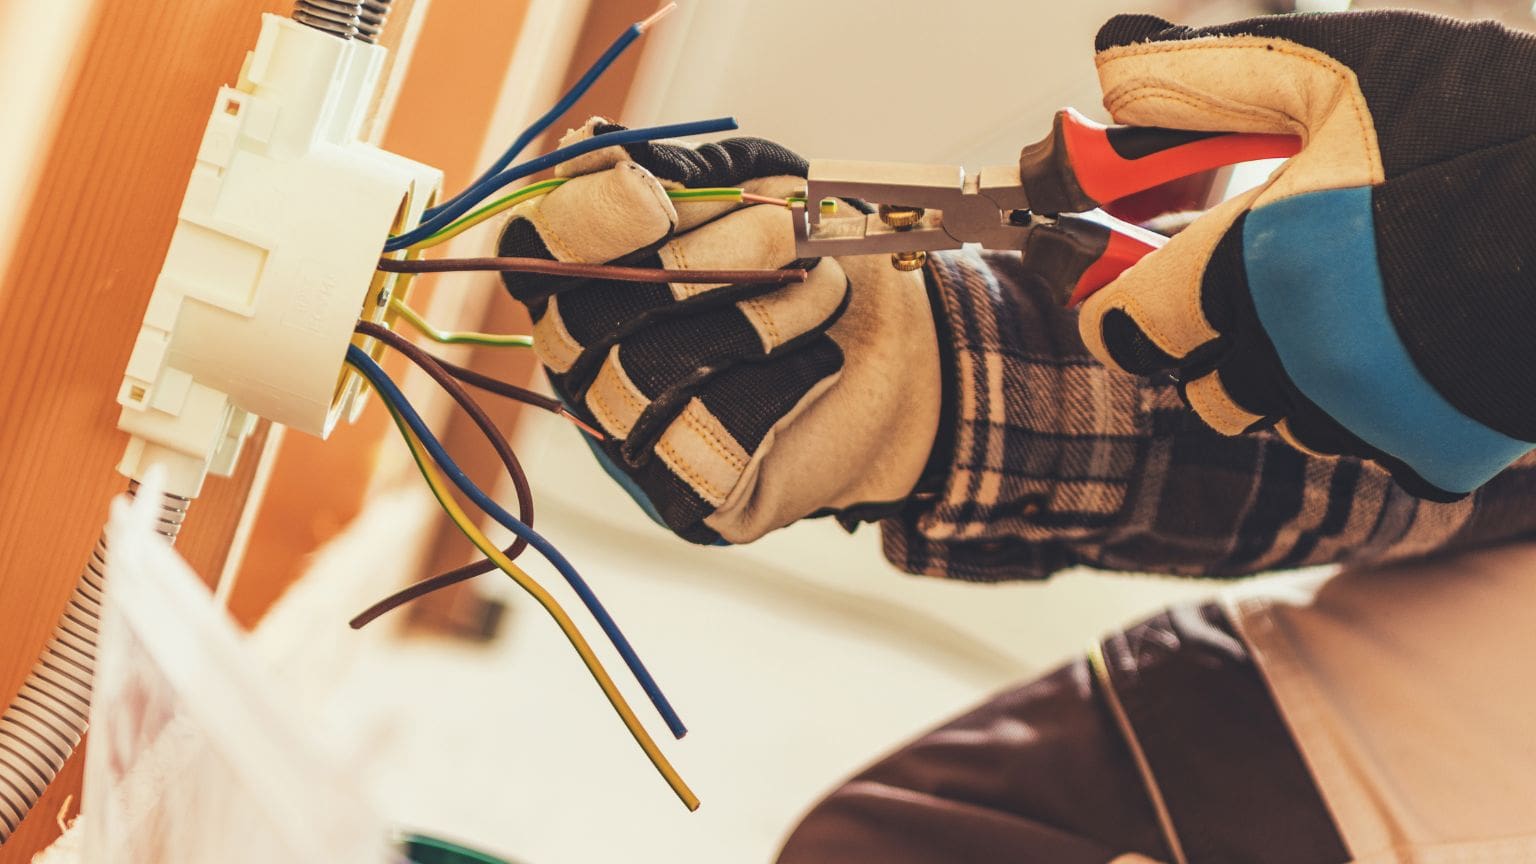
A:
(1377, 296)
(732, 409)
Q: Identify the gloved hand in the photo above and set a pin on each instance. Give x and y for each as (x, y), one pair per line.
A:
(734, 409)
(1377, 297)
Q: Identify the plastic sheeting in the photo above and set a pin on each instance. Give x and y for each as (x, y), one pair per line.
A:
(194, 755)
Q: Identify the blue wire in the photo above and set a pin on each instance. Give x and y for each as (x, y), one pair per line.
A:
(390, 392)
(485, 188)
(538, 126)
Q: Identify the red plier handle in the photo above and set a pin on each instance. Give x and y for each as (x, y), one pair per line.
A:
(1083, 165)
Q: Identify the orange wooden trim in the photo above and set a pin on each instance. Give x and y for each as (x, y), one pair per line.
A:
(445, 610)
(441, 116)
(70, 300)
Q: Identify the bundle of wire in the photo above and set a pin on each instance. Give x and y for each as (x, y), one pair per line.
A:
(426, 450)
(441, 224)
(620, 44)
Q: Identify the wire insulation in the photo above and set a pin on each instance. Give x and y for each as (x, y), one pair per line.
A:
(410, 428)
(428, 364)
(544, 187)
(566, 102)
(527, 193)
(445, 215)
(456, 337)
(592, 271)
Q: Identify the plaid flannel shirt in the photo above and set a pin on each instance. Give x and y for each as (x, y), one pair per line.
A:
(1058, 461)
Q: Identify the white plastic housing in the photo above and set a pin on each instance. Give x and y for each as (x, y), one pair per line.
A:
(273, 260)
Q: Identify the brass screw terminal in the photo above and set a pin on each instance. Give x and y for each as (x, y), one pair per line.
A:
(900, 218)
(904, 219)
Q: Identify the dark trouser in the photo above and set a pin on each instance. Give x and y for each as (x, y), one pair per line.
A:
(1165, 744)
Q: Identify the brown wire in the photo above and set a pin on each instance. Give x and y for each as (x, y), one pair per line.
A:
(592, 271)
(430, 365)
(520, 394)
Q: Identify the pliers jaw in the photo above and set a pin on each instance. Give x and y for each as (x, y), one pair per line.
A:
(954, 209)
(1080, 166)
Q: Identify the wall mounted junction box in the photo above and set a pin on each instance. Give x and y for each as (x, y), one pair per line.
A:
(273, 261)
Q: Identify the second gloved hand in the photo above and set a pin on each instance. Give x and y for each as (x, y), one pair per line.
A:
(1374, 298)
(733, 409)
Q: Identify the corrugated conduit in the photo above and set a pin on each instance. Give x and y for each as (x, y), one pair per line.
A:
(45, 721)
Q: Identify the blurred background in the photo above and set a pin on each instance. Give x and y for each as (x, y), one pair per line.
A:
(795, 661)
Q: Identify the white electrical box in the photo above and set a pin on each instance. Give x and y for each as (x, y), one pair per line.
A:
(273, 260)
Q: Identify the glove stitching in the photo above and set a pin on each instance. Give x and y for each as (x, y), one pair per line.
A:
(1144, 92)
(681, 467)
(715, 442)
(601, 409)
(1148, 324)
(1345, 75)
(759, 309)
(680, 262)
(561, 250)
(598, 401)
(1223, 409)
(550, 338)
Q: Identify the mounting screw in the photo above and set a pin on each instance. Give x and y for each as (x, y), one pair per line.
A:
(908, 261)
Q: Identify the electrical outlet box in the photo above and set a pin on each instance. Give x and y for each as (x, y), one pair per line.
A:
(273, 260)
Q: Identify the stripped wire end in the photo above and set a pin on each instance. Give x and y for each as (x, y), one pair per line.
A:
(584, 426)
(659, 14)
(749, 198)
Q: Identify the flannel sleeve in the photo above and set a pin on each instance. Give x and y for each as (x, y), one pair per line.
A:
(1056, 461)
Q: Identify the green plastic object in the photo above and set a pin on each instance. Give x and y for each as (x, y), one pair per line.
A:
(421, 849)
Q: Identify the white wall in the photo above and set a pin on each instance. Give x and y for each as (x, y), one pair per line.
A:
(964, 81)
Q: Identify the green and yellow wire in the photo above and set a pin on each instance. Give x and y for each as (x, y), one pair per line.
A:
(595, 666)
(527, 193)
(456, 337)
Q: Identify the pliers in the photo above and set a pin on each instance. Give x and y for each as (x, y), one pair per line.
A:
(1078, 168)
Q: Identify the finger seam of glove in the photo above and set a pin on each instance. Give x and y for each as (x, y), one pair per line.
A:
(1221, 406)
(1132, 307)
(621, 385)
(557, 348)
(1125, 97)
(680, 261)
(760, 312)
(713, 439)
(680, 466)
(551, 238)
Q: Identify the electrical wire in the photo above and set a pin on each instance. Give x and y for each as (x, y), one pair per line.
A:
(544, 187)
(592, 271)
(422, 588)
(502, 204)
(411, 430)
(445, 215)
(417, 590)
(582, 85)
(493, 340)
(456, 337)
(428, 364)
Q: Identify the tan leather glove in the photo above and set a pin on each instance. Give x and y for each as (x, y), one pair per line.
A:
(734, 409)
(1376, 297)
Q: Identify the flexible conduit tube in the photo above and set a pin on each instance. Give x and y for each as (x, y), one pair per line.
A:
(44, 722)
(370, 19)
